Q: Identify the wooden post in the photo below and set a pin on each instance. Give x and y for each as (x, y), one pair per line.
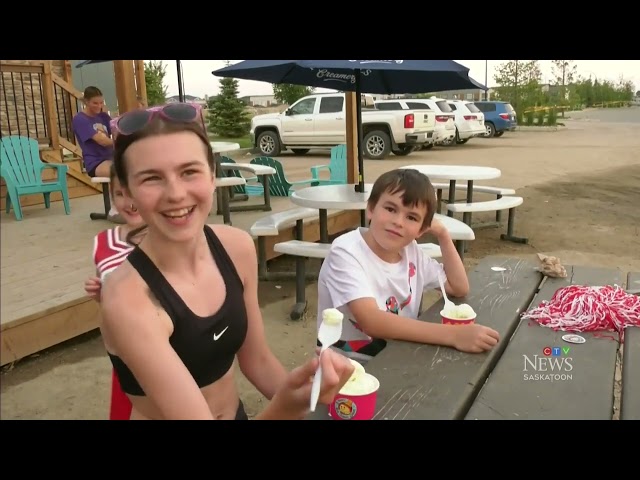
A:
(125, 85)
(352, 137)
(70, 103)
(141, 85)
(49, 98)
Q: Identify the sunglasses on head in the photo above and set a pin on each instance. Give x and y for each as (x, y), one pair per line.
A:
(136, 120)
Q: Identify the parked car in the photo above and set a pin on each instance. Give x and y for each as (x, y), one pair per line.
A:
(445, 126)
(499, 117)
(469, 120)
(318, 121)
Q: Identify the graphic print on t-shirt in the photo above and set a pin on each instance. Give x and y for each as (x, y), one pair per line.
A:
(99, 127)
(392, 303)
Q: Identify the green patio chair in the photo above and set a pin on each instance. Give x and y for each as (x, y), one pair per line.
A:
(337, 168)
(279, 186)
(21, 168)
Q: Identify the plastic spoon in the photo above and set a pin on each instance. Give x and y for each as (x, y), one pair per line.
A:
(328, 334)
(448, 304)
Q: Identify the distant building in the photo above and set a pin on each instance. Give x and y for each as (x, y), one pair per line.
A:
(471, 95)
(260, 100)
(187, 98)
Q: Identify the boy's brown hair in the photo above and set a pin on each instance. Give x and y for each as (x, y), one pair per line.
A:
(416, 189)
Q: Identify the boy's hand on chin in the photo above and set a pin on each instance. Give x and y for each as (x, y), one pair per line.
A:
(437, 229)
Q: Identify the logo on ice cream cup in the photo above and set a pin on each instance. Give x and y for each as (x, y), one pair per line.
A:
(345, 408)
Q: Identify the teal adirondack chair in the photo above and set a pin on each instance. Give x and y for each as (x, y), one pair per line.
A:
(337, 168)
(21, 168)
(279, 186)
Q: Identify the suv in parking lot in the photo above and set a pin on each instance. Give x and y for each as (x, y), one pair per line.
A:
(469, 120)
(499, 117)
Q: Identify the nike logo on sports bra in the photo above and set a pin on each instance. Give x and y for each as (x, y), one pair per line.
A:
(217, 336)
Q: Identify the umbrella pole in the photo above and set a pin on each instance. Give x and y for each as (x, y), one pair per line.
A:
(180, 90)
(360, 187)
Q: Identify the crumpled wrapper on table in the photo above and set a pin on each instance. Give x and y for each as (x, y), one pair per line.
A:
(551, 266)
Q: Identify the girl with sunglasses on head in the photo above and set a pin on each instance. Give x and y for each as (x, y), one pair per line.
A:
(184, 305)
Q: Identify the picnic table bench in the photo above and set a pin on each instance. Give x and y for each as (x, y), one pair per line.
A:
(630, 401)
(433, 382)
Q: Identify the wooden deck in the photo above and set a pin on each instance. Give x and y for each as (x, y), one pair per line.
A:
(47, 256)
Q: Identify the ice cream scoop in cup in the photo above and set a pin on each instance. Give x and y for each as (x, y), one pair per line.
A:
(458, 315)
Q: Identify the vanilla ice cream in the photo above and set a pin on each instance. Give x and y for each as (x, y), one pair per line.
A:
(460, 312)
(359, 369)
(332, 316)
(360, 382)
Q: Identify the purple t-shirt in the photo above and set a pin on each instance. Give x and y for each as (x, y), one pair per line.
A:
(85, 127)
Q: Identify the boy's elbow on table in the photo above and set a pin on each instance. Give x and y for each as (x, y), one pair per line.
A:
(458, 289)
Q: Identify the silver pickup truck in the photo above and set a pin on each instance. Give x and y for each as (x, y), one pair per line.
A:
(318, 121)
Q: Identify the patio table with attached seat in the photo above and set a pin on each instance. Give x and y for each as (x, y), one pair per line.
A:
(223, 147)
(262, 171)
(453, 173)
(223, 184)
(531, 374)
(331, 197)
(471, 173)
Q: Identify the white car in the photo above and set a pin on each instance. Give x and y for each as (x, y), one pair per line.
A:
(445, 127)
(469, 120)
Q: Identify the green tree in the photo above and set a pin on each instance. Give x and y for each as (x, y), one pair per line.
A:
(154, 73)
(227, 115)
(565, 73)
(519, 83)
(288, 94)
(625, 89)
(598, 92)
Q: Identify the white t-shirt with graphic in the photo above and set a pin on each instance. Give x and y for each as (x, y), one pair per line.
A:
(351, 271)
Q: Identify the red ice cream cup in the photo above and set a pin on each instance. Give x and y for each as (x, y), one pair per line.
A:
(457, 321)
(356, 407)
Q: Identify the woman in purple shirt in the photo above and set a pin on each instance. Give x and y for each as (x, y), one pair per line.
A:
(92, 129)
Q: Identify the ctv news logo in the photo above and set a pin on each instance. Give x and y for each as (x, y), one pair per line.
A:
(554, 365)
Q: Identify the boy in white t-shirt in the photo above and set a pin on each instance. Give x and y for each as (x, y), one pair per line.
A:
(376, 276)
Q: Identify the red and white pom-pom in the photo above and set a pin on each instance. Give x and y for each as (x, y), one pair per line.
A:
(579, 308)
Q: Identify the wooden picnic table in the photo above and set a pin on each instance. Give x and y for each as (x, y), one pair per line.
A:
(431, 382)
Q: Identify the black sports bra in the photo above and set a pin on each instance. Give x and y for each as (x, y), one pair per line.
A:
(206, 345)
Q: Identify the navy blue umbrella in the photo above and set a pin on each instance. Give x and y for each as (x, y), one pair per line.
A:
(376, 76)
(359, 76)
(178, 67)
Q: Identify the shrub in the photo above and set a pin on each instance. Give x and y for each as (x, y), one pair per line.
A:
(529, 118)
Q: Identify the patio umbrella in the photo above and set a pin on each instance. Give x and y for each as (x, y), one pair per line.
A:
(178, 68)
(359, 76)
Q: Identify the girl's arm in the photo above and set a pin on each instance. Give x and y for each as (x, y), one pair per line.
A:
(257, 361)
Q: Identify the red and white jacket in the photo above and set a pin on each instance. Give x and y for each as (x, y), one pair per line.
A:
(109, 251)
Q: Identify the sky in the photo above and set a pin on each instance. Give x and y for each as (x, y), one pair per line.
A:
(198, 80)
